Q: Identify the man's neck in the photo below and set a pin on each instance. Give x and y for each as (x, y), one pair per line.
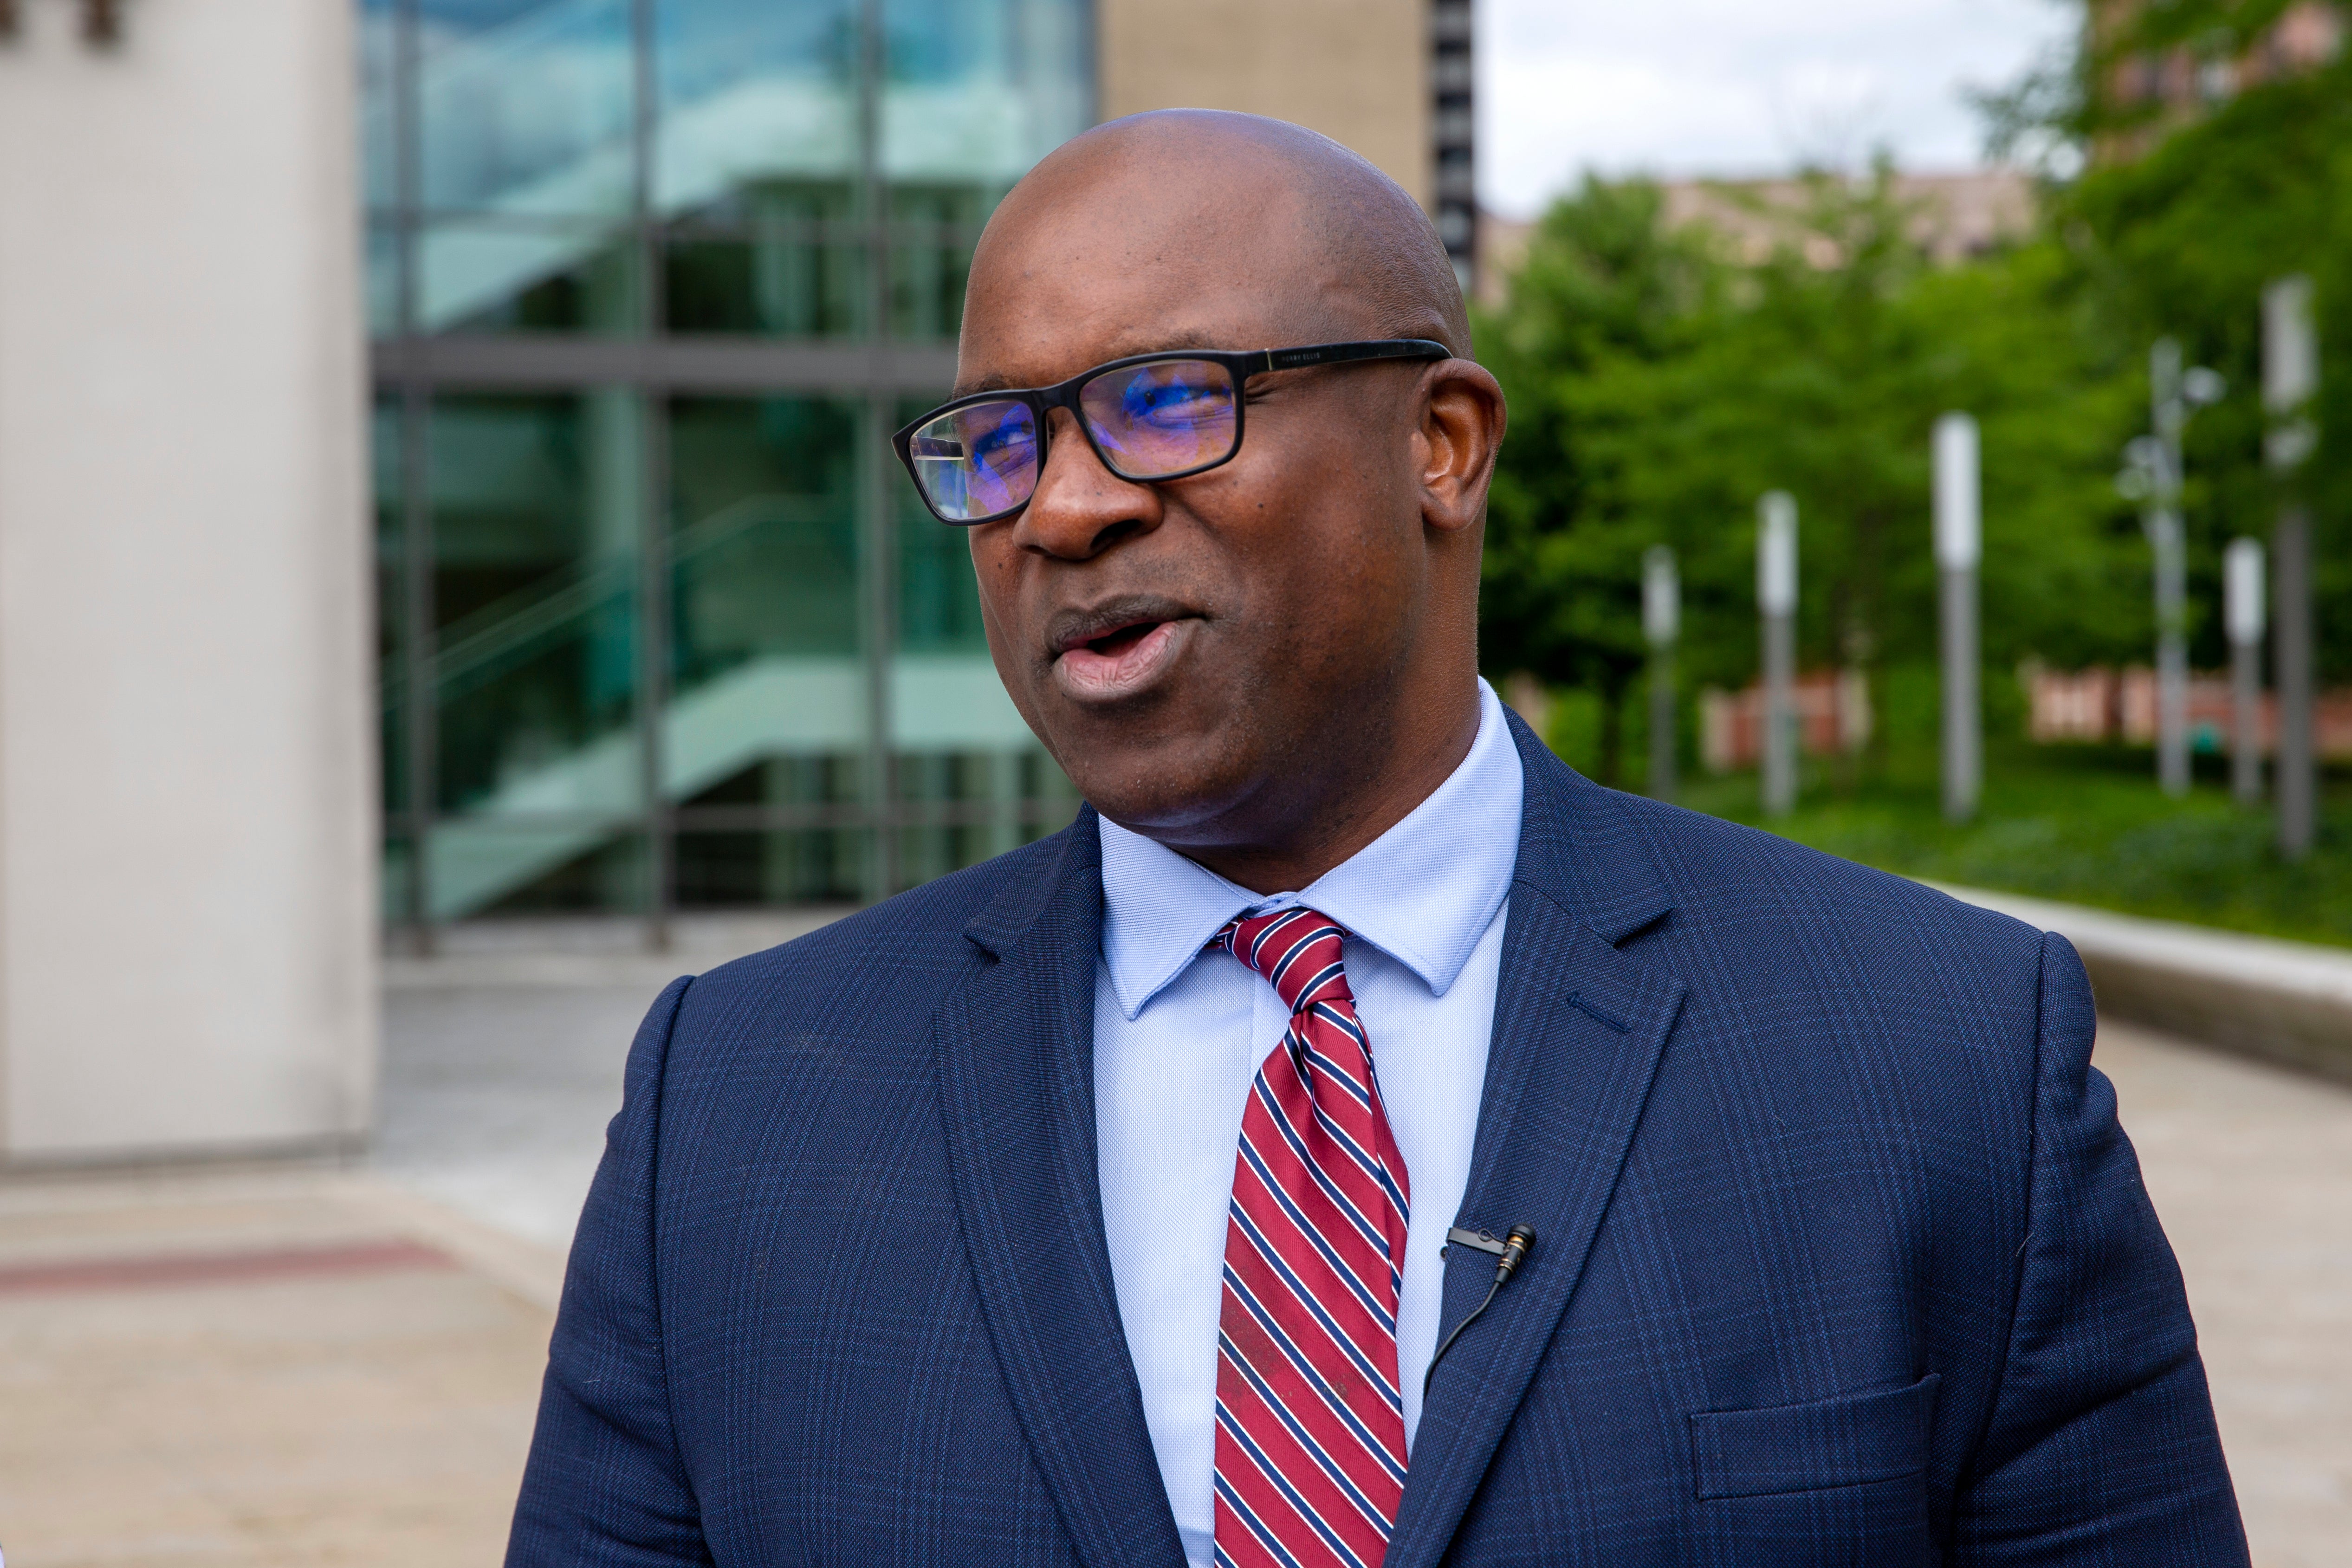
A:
(1340, 820)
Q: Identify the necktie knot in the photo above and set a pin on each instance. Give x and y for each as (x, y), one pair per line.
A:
(1298, 950)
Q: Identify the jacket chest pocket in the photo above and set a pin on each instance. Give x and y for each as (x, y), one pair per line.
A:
(1837, 1481)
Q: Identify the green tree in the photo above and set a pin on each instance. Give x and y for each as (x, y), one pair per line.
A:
(1605, 284)
(1666, 389)
(2179, 217)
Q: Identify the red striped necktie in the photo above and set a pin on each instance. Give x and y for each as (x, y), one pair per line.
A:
(1310, 1417)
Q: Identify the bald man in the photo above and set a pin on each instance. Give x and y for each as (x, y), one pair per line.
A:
(1357, 1139)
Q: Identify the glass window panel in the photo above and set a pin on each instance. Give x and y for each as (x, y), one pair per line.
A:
(384, 447)
(966, 811)
(769, 693)
(789, 829)
(776, 866)
(977, 91)
(957, 808)
(927, 284)
(752, 91)
(933, 229)
(992, 793)
(527, 108)
(781, 790)
(380, 26)
(939, 599)
(572, 871)
(525, 277)
(764, 541)
(1043, 781)
(786, 288)
(393, 891)
(383, 280)
(536, 502)
(970, 780)
(779, 259)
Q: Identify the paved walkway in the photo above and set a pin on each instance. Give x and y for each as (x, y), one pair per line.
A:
(274, 1370)
(2250, 1168)
(299, 1369)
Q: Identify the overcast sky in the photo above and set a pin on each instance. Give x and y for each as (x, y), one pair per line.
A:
(1737, 87)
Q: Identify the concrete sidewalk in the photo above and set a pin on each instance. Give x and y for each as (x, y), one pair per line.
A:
(2250, 1166)
(272, 1369)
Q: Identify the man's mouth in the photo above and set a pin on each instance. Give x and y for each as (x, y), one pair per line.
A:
(1102, 663)
(1112, 643)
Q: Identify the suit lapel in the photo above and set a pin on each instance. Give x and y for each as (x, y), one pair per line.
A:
(1579, 1028)
(1017, 1070)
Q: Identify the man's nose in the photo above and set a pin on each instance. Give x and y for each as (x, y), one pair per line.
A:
(1080, 508)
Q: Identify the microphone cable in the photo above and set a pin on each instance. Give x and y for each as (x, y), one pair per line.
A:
(1510, 1253)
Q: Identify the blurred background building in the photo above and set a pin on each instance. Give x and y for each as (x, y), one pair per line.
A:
(558, 359)
(1950, 216)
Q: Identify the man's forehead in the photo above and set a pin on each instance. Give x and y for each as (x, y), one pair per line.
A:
(1189, 228)
(1051, 302)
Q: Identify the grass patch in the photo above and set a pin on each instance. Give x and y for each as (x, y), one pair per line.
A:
(2085, 823)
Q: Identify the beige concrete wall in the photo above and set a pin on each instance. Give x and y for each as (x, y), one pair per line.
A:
(1357, 70)
(186, 785)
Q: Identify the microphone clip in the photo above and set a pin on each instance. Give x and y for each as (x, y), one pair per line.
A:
(1508, 1252)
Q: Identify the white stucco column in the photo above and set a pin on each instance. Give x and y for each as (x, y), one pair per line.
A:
(187, 786)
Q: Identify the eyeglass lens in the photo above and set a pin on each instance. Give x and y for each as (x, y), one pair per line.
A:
(1150, 421)
(978, 461)
(1161, 418)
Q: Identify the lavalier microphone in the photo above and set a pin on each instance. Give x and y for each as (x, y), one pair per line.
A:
(1509, 1253)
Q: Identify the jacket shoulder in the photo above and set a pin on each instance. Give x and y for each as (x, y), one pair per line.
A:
(878, 972)
(1724, 872)
(1774, 939)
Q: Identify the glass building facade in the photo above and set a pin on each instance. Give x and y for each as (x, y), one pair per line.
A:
(662, 625)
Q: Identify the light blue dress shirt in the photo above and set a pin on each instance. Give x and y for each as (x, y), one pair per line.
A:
(1179, 1035)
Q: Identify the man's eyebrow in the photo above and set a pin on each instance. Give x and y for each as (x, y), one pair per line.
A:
(1181, 343)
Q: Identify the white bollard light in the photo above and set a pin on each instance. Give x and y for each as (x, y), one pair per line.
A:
(1959, 547)
(1662, 619)
(2290, 385)
(2242, 618)
(1776, 604)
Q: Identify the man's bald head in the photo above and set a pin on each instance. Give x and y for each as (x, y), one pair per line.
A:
(1266, 663)
(1336, 248)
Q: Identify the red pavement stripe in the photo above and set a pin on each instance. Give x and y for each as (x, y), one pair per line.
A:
(218, 1268)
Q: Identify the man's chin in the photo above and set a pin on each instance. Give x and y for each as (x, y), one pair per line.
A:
(1174, 794)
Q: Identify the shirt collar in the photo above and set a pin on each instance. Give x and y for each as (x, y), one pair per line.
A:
(1423, 892)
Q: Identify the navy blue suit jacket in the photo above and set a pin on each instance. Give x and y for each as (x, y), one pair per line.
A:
(1843, 1256)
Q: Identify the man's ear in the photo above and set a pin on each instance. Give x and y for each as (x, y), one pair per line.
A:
(1462, 420)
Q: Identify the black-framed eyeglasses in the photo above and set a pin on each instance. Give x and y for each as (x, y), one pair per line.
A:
(1148, 417)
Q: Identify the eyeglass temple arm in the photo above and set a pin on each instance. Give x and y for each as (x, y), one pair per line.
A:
(1340, 353)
